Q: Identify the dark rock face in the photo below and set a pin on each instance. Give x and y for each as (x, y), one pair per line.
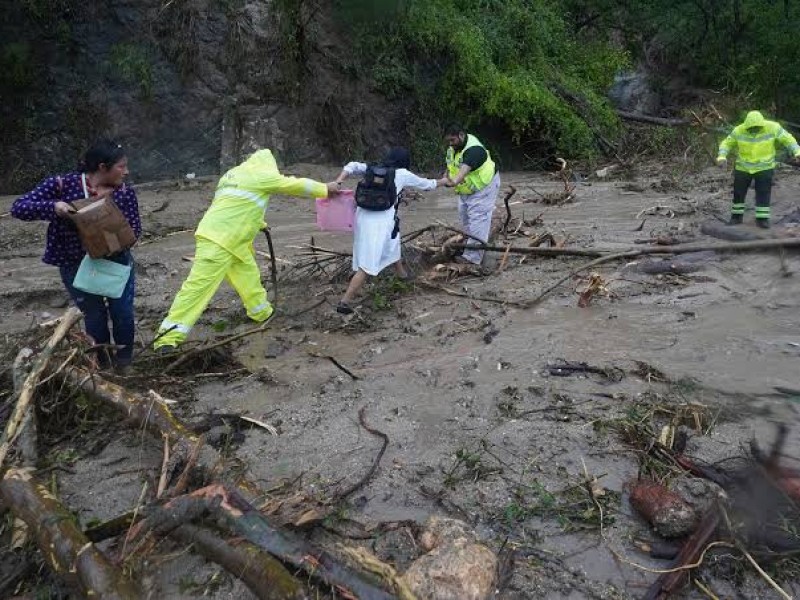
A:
(188, 86)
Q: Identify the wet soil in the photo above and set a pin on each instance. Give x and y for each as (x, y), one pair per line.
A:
(479, 429)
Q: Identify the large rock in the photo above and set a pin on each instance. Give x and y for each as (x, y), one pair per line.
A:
(633, 92)
(456, 566)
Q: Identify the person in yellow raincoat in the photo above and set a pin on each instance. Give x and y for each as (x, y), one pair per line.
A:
(755, 142)
(224, 244)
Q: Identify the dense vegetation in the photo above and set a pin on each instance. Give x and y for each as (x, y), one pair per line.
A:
(539, 70)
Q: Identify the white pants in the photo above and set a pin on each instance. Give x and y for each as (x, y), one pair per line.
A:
(475, 212)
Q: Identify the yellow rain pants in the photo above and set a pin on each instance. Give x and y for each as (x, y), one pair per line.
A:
(212, 264)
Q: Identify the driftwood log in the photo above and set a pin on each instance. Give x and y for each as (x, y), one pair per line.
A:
(236, 512)
(245, 520)
(71, 556)
(661, 121)
(267, 578)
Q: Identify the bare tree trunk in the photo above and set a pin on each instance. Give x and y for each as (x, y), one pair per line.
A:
(71, 556)
(267, 578)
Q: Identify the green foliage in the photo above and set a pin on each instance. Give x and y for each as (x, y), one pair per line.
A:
(748, 48)
(133, 65)
(511, 62)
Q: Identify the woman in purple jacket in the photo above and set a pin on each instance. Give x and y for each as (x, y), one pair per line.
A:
(104, 168)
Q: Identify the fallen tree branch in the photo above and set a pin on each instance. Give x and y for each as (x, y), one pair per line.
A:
(243, 518)
(344, 495)
(71, 556)
(640, 118)
(266, 577)
(689, 557)
(508, 196)
(679, 249)
(13, 427)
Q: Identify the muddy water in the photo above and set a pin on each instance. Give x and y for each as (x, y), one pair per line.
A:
(435, 386)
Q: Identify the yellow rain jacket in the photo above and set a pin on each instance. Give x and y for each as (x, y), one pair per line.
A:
(236, 214)
(756, 152)
(225, 244)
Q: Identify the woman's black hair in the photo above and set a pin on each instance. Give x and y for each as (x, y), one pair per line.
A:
(397, 158)
(103, 152)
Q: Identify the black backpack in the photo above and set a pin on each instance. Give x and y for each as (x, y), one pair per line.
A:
(377, 190)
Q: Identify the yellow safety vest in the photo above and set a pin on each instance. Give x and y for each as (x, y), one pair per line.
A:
(476, 179)
(755, 153)
(236, 214)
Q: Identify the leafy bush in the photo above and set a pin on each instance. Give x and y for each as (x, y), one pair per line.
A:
(509, 62)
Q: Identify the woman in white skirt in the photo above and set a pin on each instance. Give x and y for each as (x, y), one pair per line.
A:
(376, 239)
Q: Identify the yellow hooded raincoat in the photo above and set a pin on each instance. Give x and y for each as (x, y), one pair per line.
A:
(224, 243)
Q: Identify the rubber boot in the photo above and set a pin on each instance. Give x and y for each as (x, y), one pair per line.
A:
(736, 220)
(763, 223)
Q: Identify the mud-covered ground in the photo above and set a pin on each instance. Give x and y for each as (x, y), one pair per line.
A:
(478, 427)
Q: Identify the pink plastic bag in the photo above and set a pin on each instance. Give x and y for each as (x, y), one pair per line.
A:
(337, 213)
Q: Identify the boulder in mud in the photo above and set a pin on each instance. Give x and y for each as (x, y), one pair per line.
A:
(669, 514)
(455, 567)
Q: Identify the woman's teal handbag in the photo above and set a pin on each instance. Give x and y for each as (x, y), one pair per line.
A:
(102, 277)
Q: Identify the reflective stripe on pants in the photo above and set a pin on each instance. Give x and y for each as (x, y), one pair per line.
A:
(212, 264)
(763, 185)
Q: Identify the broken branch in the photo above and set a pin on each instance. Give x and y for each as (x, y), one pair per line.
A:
(64, 547)
(13, 429)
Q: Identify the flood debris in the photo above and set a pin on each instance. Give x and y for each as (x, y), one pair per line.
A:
(565, 368)
(196, 501)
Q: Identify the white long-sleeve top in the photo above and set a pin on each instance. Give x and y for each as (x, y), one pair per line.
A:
(373, 246)
(403, 178)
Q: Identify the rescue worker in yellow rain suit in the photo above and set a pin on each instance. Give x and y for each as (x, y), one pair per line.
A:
(754, 142)
(224, 244)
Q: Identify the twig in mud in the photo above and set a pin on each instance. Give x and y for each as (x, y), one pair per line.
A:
(468, 296)
(458, 231)
(703, 588)
(763, 574)
(336, 363)
(508, 196)
(162, 480)
(678, 569)
(229, 340)
(412, 235)
(365, 479)
(183, 480)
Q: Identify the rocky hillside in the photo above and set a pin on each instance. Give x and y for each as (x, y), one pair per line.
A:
(187, 85)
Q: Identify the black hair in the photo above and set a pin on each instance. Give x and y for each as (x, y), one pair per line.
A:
(397, 158)
(104, 151)
(454, 129)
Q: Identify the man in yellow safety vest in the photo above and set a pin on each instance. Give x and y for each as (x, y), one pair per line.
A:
(754, 142)
(474, 176)
(224, 244)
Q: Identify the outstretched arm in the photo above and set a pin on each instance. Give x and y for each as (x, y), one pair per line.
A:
(461, 175)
